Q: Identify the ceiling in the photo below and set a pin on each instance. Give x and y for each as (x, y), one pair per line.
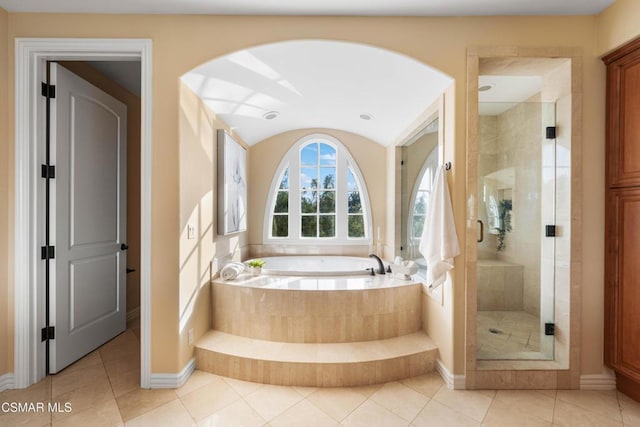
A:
(505, 92)
(316, 7)
(512, 80)
(317, 84)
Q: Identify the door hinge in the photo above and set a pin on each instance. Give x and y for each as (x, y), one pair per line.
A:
(550, 328)
(48, 171)
(47, 252)
(48, 333)
(551, 132)
(550, 230)
(48, 91)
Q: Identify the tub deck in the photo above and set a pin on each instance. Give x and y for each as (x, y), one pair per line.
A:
(323, 283)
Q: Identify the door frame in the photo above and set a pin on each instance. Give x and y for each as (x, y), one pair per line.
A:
(31, 55)
(564, 371)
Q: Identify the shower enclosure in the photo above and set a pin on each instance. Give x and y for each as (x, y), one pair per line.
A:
(516, 209)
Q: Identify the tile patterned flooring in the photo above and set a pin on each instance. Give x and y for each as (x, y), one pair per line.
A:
(518, 335)
(103, 391)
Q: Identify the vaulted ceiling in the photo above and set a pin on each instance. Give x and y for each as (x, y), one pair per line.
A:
(270, 89)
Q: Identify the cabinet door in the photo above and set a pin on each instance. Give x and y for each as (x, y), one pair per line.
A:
(623, 121)
(622, 291)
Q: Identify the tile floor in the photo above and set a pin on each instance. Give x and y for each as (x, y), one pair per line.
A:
(102, 389)
(517, 337)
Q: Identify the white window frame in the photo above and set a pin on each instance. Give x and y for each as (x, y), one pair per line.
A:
(344, 160)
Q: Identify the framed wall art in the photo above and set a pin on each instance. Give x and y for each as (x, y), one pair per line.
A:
(232, 185)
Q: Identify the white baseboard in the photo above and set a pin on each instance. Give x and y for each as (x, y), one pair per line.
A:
(173, 380)
(455, 382)
(133, 315)
(604, 381)
(6, 382)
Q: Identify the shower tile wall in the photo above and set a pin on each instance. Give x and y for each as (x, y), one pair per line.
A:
(500, 286)
(487, 163)
(514, 138)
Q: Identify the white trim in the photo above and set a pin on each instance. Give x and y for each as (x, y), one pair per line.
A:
(6, 382)
(133, 315)
(455, 382)
(173, 380)
(30, 55)
(604, 381)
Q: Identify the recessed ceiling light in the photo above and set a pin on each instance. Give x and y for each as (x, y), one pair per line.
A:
(366, 116)
(486, 87)
(270, 115)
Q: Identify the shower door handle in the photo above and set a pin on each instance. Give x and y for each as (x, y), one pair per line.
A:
(481, 231)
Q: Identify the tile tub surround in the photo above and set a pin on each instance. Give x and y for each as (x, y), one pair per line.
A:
(317, 310)
(316, 331)
(500, 285)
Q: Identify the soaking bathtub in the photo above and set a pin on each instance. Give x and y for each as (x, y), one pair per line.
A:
(320, 299)
(316, 265)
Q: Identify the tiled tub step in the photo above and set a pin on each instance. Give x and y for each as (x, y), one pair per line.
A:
(320, 365)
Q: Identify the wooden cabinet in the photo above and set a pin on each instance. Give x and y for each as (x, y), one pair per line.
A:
(622, 239)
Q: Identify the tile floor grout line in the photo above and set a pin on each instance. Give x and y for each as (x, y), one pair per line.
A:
(186, 410)
(620, 408)
(421, 409)
(112, 390)
(356, 408)
(555, 403)
(225, 406)
(252, 408)
(493, 399)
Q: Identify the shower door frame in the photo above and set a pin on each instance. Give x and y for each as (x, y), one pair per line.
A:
(523, 374)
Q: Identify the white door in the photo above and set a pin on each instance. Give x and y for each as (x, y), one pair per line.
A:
(87, 218)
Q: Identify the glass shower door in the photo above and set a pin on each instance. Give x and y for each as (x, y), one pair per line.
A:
(516, 215)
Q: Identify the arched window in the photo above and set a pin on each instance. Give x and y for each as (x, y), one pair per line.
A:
(421, 195)
(318, 196)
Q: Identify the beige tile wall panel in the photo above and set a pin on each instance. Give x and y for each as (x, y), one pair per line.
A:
(302, 316)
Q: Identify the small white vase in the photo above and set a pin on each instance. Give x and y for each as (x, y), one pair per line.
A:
(256, 271)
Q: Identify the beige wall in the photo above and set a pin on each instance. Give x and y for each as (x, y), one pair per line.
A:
(617, 25)
(265, 159)
(182, 42)
(6, 321)
(199, 257)
(132, 101)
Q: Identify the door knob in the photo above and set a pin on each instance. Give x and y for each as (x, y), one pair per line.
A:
(124, 247)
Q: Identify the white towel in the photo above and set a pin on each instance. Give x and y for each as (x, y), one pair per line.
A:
(439, 241)
(231, 270)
